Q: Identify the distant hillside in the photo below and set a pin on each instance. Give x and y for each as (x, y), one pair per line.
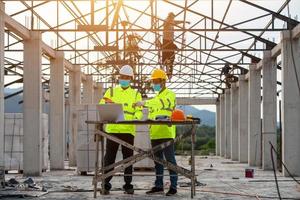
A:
(207, 117)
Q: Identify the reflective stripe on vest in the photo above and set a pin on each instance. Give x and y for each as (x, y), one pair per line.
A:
(127, 98)
(162, 103)
(169, 102)
(129, 113)
(168, 109)
(125, 104)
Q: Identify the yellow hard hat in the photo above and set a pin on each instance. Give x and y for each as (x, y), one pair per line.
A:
(158, 73)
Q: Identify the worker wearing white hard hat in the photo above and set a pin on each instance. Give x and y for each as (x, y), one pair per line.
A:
(127, 96)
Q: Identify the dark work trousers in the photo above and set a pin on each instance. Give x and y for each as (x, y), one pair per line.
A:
(169, 154)
(169, 55)
(110, 157)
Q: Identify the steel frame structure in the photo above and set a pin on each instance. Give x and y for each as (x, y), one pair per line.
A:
(205, 45)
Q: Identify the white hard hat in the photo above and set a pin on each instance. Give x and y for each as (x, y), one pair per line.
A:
(126, 70)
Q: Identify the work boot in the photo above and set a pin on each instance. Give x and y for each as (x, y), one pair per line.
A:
(155, 190)
(104, 191)
(128, 189)
(171, 192)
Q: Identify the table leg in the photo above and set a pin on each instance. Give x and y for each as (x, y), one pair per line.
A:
(96, 166)
(193, 163)
(102, 162)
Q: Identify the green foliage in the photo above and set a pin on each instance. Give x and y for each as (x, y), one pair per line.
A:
(205, 140)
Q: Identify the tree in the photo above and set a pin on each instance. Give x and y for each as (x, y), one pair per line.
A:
(205, 139)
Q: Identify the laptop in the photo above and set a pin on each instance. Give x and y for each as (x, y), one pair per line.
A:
(111, 112)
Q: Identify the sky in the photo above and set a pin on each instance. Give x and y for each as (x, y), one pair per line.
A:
(237, 12)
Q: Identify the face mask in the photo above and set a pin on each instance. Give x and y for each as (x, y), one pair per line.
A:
(156, 87)
(124, 83)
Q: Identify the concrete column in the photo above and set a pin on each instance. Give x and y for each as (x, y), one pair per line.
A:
(222, 122)
(234, 123)
(2, 164)
(228, 123)
(74, 99)
(290, 104)
(88, 90)
(254, 118)
(217, 128)
(32, 106)
(98, 92)
(57, 112)
(243, 119)
(269, 123)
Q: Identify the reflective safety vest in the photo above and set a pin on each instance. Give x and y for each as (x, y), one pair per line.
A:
(127, 97)
(162, 104)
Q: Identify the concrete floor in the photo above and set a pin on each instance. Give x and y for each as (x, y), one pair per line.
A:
(224, 180)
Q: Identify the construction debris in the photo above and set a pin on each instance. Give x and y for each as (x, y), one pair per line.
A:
(22, 189)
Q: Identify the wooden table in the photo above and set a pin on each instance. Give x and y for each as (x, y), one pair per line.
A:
(100, 134)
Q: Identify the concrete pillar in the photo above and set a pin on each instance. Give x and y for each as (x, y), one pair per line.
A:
(88, 90)
(243, 119)
(98, 92)
(269, 123)
(32, 105)
(234, 123)
(74, 99)
(222, 122)
(2, 164)
(217, 144)
(254, 117)
(57, 112)
(290, 104)
(228, 123)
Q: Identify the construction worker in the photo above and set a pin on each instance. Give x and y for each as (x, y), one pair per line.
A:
(162, 105)
(226, 72)
(168, 46)
(122, 94)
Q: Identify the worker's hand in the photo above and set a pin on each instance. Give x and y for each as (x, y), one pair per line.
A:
(108, 100)
(139, 104)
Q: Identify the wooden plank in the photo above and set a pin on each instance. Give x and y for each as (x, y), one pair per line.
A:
(92, 28)
(149, 122)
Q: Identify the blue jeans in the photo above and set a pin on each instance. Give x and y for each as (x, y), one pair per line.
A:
(169, 154)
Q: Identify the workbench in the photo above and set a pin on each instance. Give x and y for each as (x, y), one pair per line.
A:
(100, 135)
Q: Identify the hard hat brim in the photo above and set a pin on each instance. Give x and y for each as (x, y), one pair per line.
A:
(155, 77)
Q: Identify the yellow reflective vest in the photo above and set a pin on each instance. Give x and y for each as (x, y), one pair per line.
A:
(162, 104)
(127, 97)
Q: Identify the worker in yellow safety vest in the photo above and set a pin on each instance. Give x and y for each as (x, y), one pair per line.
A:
(127, 96)
(162, 105)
